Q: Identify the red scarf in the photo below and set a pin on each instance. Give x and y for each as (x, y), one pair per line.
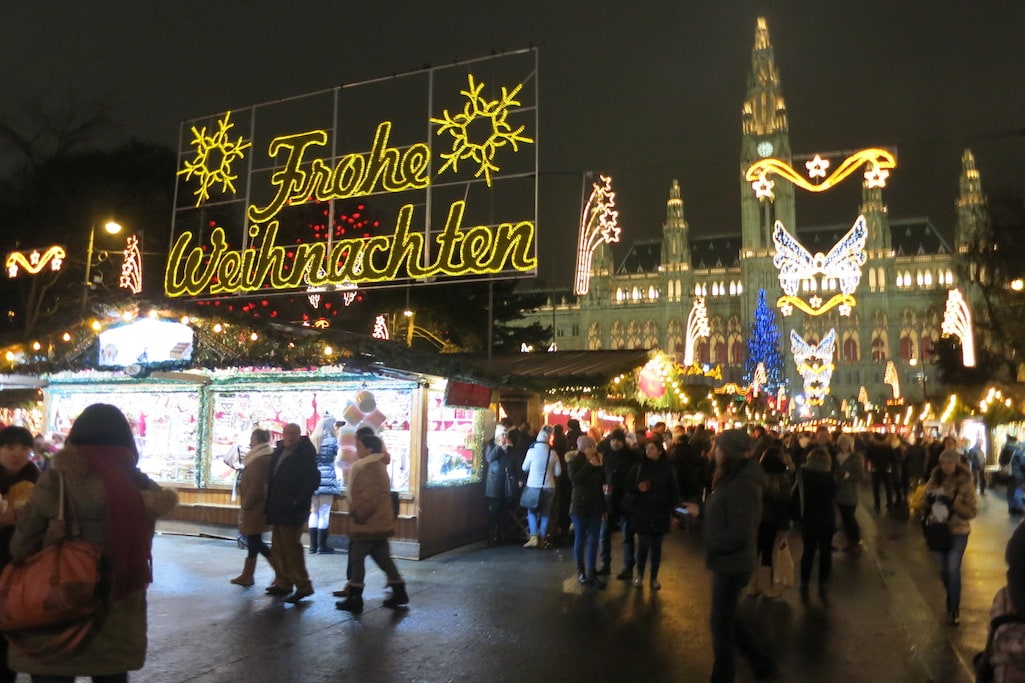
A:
(129, 529)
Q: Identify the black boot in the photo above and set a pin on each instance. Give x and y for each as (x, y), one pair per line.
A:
(325, 549)
(398, 596)
(353, 603)
(313, 542)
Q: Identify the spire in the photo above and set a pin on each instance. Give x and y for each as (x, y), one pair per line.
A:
(764, 110)
(674, 206)
(972, 212)
(876, 220)
(675, 240)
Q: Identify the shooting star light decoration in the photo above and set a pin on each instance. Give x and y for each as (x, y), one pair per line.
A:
(957, 321)
(599, 223)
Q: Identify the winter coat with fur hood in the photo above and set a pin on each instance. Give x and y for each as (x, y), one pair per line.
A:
(371, 514)
(118, 642)
(252, 491)
(958, 487)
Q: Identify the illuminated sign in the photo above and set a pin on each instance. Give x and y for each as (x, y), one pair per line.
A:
(697, 328)
(447, 183)
(34, 261)
(145, 341)
(131, 268)
(814, 364)
(877, 163)
(957, 320)
(598, 224)
(798, 266)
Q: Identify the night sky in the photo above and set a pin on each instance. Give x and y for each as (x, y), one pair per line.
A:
(647, 91)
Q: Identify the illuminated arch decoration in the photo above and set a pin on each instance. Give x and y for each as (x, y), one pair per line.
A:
(131, 267)
(877, 163)
(814, 364)
(477, 108)
(34, 261)
(890, 377)
(599, 223)
(862, 395)
(697, 328)
(843, 263)
(957, 321)
(215, 154)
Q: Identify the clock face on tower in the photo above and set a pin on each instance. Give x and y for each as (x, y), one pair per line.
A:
(764, 148)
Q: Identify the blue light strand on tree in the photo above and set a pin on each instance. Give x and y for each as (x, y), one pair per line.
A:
(763, 347)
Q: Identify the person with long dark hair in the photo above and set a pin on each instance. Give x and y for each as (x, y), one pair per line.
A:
(653, 482)
(116, 506)
(587, 505)
(814, 497)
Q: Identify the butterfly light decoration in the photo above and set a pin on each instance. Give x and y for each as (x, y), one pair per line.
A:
(843, 263)
(814, 364)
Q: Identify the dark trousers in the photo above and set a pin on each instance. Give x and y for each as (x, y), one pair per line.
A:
(851, 528)
(288, 553)
(884, 479)
(820, 540)
(6, 675)
(649, 543)
(730, 633)
(608, 525)
(256, 546)
(496, 511)
(766, 542)
(377, 548)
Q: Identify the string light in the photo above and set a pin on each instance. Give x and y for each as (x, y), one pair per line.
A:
(957, 321)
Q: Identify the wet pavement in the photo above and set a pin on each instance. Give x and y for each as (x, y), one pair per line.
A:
(509, 614)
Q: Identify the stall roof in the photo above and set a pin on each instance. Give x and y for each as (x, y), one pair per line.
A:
(562, 366)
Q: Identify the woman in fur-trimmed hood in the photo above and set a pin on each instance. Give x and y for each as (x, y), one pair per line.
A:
(116, 506)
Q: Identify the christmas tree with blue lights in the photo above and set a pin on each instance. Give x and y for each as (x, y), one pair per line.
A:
(763, 347)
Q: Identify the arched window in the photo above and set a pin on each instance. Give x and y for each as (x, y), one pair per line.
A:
(733, 288)
(736, 350)
(881, 278)
(619, 293)
(702, 351)
(650, 335)
(594, 336)
(633, 335)
(718, 350)
(907, 347)
(636, 294)
(850, 348)
(674, 337)
(872, 279)
(878, 346)
(617, 339)
(926, 346)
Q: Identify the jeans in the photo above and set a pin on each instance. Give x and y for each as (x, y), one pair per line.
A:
(879, 477)
(377, 548)
(629, 553)
(585, 538)
(950, 569)
(646, 542)
(729, 632)
(823, 542)
(1014, 496)
(851, 528)
(544, 511)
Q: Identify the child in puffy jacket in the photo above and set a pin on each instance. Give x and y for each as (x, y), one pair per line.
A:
(1005, 649)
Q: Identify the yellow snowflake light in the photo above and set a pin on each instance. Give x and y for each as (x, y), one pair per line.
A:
(214, 156)
(476, 109)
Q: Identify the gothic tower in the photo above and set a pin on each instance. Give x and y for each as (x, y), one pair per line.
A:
(765, 134)
(879, 242)
(675, 241)
(972, 226)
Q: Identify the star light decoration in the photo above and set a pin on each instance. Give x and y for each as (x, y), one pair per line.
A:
(215, 154)
(131, 267)
(817, 167)
(697, 328)
(814, 364)
(877, 161)
(796, 264)
(599, 223)
(957, 321)
(479, 110)
(35, 262)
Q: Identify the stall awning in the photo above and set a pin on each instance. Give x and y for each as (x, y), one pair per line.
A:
(560, 367)
(21, 382)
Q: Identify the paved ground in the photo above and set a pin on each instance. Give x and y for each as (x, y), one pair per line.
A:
(509, 614)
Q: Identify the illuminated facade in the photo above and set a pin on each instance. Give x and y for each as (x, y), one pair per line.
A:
(644, 300)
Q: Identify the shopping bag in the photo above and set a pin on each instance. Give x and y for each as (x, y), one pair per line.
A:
(782, 564)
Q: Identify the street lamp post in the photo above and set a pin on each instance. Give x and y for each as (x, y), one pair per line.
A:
(111, 228)
(921, 377)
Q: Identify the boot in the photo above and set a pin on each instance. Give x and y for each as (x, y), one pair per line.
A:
(765, 584)
(753, 588)
(398, 596)
(531, 542)
(246, 577)
(343, 593)
(313, 541)
(353, 603)
(300, 593)
(325, 549)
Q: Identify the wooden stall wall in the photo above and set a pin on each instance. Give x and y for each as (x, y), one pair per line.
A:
(451, 516)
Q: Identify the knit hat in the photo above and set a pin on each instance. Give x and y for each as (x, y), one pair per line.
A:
(950, 456)
(585, 442)
(544, 434)
(734, 443)
(500, 431)
(617, 435)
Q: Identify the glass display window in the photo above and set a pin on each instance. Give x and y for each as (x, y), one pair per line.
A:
(165, 423)
(455, 441)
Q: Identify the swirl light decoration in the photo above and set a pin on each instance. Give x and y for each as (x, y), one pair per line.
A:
(814, 364)
(35, 261)
(957, 320)
(697, 328)
(599, 223)
(890, 377)
(877, 162)
(796, 264)
(131, 267)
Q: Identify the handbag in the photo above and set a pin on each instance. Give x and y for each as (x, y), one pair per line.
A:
(531, 496)
(54, 588)
(782, 564)
(937, 536)
(512, 486)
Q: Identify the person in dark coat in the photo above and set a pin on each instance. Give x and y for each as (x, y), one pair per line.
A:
(775, 519)
(16, 470)
(653, 481)
(294, 477)
(116, 506)
(587, 505)
(882, 460)
(731, 516)
(814, 500)
(617, 460)
(326, 443)
(498, 484)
